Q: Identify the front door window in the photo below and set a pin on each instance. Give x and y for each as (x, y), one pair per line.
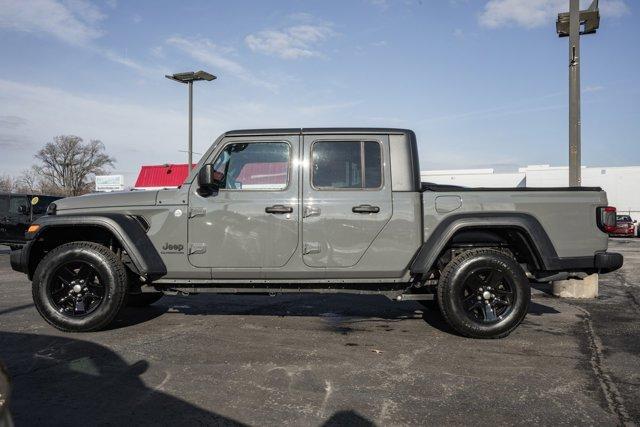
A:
(254, 166)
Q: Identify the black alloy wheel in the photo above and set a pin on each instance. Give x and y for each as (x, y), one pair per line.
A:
(483, 293)
(75, 289)
(487, 295)
(80, 286)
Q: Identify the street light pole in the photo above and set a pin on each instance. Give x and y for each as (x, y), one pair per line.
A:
(190, 156)
(574, 95)
(188, 78)
(570, 24)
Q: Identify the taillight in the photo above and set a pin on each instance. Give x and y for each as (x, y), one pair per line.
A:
(606, 218)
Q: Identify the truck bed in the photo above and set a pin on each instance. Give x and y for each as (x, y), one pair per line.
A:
(430, 186)
(567, 215)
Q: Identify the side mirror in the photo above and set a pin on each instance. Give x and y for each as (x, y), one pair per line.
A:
(209, 179)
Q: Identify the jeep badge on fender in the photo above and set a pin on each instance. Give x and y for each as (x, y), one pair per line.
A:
(169, 248)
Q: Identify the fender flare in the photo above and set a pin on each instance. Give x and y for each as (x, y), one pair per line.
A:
(541, 244)
(124, 228)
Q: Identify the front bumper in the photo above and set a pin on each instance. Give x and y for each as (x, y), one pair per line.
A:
(20, 258)
(607, 262)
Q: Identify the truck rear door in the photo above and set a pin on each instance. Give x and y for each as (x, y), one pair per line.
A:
(346, 197)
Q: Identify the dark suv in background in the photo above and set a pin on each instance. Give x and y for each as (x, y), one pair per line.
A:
(17, 211)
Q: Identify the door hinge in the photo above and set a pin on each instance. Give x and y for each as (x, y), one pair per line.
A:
(311, 248)
(197, 248)
(310, 211)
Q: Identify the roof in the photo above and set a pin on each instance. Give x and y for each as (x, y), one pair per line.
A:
(162, 175)
(296, 131)
(4, 193)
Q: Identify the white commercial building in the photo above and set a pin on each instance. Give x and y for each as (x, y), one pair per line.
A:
(620, 183)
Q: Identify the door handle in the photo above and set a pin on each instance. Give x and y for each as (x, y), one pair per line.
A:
(278, 209)
(365, 209)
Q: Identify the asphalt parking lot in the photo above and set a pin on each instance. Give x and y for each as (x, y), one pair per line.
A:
(327, 360)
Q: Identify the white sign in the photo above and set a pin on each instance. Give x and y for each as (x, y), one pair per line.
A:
(109, 182)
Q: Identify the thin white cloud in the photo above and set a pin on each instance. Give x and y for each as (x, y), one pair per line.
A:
(31, 115)
(129, 63)
(158, 52)
(298, 41)
(211, 54)
(125, 128)
(535, 13)
(74, 22)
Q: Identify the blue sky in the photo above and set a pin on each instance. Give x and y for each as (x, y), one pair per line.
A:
(483, 83)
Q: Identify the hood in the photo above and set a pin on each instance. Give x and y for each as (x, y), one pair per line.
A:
(106, 200)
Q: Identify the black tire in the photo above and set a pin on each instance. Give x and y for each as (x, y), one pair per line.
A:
(483, 293)
(107, 280)
(144, 299)
(15, 247)
(429, 304)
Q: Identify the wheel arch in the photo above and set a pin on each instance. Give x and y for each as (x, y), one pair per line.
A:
(517, 230)
(123, 230)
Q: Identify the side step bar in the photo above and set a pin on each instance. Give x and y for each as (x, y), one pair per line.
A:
(392, 294)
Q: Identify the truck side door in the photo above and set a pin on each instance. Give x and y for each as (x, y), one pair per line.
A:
(252, 221)
(4, 217)
(346, 197)
(18, 217)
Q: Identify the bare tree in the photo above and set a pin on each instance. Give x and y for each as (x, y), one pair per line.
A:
(28, 182)
(6, 184)
(67, 163)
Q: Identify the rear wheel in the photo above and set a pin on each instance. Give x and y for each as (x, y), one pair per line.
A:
(483, 293)
(79, 287)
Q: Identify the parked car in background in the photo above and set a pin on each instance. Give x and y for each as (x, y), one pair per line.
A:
(5, 416)
(17, 211)
(625, 227)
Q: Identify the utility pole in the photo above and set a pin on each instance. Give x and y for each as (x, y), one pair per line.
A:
(570, 24)
(574, 95)
(188, 78)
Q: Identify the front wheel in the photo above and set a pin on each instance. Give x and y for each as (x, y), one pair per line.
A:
(79, 287)
(483, 293)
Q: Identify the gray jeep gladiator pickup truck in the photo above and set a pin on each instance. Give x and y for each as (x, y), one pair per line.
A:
(315, 210)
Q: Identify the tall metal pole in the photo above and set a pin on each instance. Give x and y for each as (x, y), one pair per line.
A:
(574, 94)
(190, 155)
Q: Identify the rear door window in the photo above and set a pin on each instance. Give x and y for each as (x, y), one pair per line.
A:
(345, 165)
